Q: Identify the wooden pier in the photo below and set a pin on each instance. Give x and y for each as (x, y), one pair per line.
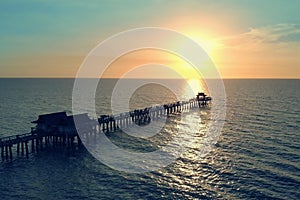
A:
(59, 130)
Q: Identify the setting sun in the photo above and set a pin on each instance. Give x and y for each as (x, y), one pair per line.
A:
(205, 41)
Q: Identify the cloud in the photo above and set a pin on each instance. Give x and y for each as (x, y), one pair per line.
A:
(258, 37)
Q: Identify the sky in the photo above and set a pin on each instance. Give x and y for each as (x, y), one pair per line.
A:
(244, 38)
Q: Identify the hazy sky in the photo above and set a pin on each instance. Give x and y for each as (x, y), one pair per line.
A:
(246, 39)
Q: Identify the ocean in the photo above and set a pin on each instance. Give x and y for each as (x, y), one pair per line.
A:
(257, 155)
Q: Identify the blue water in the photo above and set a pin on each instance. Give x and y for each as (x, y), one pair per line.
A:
(256, 157)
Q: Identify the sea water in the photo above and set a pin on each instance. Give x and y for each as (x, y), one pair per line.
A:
(257, 155)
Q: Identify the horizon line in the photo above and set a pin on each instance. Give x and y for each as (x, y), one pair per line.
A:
(227, 78)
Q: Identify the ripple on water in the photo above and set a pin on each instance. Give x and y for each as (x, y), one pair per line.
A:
(256, 157)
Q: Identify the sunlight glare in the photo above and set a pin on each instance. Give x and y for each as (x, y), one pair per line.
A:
(193, 87)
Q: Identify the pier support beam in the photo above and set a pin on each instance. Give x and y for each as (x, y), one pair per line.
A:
(26, 148)
(22, 148)
(10, 152)
(32, 146)
(6, 152)
(18, 148)
(2, 152)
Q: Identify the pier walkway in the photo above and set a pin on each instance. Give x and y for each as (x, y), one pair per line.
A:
(58, 129)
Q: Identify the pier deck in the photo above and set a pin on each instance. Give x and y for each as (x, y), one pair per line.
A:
(58, 129)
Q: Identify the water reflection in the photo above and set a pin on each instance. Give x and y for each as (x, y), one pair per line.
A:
(191, 87)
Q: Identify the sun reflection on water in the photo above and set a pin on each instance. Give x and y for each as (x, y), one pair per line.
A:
(192, 87)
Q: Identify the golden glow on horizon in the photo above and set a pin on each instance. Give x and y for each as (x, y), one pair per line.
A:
(135, 59)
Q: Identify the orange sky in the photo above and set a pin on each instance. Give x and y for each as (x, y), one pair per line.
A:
(244, 39)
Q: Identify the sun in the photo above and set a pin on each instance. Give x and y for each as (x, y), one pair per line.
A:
(200, 31)
(208, 43)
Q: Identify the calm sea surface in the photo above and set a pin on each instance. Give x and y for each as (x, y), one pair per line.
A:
(256, 157)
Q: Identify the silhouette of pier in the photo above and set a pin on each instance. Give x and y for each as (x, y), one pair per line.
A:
(59, 130)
